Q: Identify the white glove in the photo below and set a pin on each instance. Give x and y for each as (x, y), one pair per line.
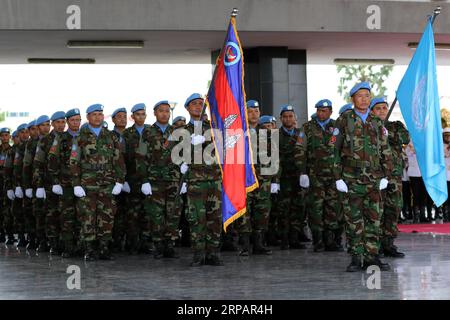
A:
(184, 168)
(19, 192)
(146, 188)
(11, 195)
(29, 193)
(183, 188)
(79, 192)
(195, 139)
(117, 189)
(40, 193)
(341, 186)
(274, 187)
(126, 187)
(57, 189)
(383, 183)
(304, 181)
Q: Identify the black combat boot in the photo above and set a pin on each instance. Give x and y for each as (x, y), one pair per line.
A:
(302, 237)
(319, 246)
(54, 246)
(158, 253)
(31, 242)
(294, 243)
(145, 245)
(370, 261)
(198, 259)
(90, 253)
(10, 240)
(213, 258)
(22, 243)
(338, 239)
(169, 250)
(355, 264)
(43, 246)
(245, 248)
(390, 250)
(329, 241)
(104, 252)
(258, 244)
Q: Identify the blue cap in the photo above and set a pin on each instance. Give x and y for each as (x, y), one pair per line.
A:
(32, 123)
(192, 97)
(58, 115)
(324, 103)
(72, 112)
(265, 119)
(4, 130)
(23, 126)
(160, 103)
(252, 104)
(42, 119)
(94, 108)
(286, 107)
(14, 134)
(314, 116)
(138, 107)
(179, 118)
(345, 107)
(359, 86)
(117, 111)
(377, 101)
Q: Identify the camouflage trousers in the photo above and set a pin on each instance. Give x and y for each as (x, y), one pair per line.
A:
(52, 215)
(324, 211)
(204, 214)
(39, 213)
(30, 220)
(362, 211)
(19, 216)
(70, 224)
(96, 211)
(120, 221)
(291, 207)
(163, 208)
(258, 209)
(392, 206)
(138, 220)
(8, 218)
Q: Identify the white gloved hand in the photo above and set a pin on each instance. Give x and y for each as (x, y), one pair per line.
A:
(304, 181)
(117, 189)
(341, 186)
(11, 195)
(79, 192)
(40, 193)
(19, 192)
(29, 193)
(146, 188)
(383, 183)
(183, 188)
(57, 189)
(126, 187)
(196, 139)
(274, 187)
(184, 168)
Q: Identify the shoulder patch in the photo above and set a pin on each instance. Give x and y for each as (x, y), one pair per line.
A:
(385, 131)
(336, 131)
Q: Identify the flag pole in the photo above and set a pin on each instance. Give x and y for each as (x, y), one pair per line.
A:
(436, 12)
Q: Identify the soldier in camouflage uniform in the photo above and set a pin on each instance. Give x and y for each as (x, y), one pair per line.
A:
(138, 221)
(204, 188)
(98, 174)
(160, 180)
(316, 161)
(60, 179)
(392, 195)
(4, 149)
(363, 167)
(43, 183)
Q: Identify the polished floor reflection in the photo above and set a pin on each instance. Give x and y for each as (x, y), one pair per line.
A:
(296, 274)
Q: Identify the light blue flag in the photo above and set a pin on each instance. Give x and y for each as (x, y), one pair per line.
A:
(419, 102)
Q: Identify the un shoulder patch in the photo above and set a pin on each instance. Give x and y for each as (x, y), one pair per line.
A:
(300, 138)
(385, 131)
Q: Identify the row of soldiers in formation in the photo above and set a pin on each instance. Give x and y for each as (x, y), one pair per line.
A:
(91, 189)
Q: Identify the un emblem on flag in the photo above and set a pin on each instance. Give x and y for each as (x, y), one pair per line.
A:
(420, 108)
(232, 54)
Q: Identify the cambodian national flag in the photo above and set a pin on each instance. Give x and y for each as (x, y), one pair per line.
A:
(226, 100)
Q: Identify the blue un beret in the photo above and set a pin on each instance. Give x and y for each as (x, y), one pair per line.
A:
(359, 86)
(58, 115)
(117, 111)
(192, 97)
(324, 103)
(42, 119)
(160, 103)
(179, 118)
(286, 107)
(14, 134)
(4, 130)
(345, 107)
(72, 112)
(31, 124)
(252, 104)
(94, 108)
(377, 101)
(265, 119)
(138, 107)
(23, 126)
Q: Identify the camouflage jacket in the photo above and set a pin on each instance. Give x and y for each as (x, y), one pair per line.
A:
(132, 140)
(153, 159)
(262, 146)
(398, 136)
(121, 141)
(4, 149)
(18, 166)
(27, 168)
(41, 178)
(58, 160)
(9, 181)
(362, 149)
(289, 146)
(96, 161)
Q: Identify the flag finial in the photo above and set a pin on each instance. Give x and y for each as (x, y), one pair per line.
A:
(234, 13)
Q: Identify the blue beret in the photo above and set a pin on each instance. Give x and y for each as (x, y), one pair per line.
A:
(179, 118)
(94, 107)
(286, 107)
(160, 103)
(117, 111)
(324, 103)
(73, 112)
(4, 130)
(192, 97)
(359, 86)
(32, 123)
(345, 107)
(252, 104)
(314, 116)
(377, 101)
(138, 107)
(42, 119)
(58, 115)
(23, 126)
(265, 119)
(14, 134)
